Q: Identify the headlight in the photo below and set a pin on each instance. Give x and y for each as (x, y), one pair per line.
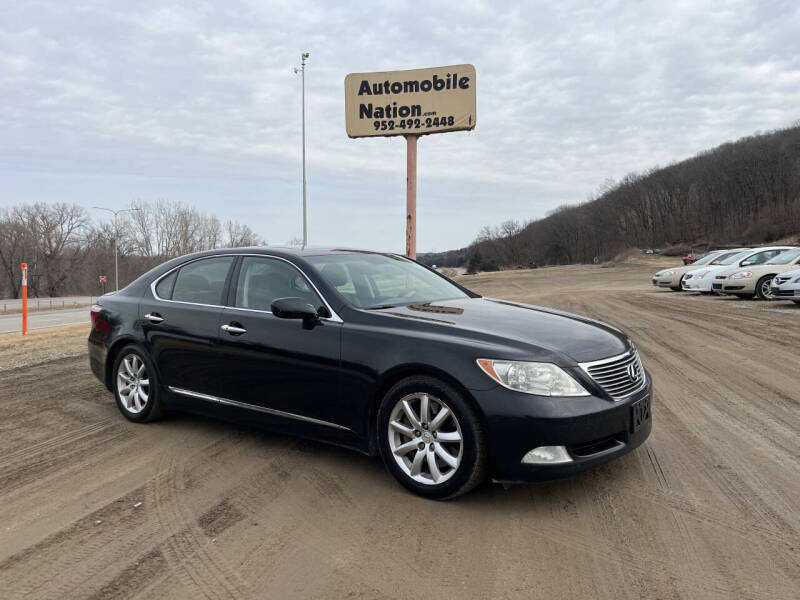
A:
(542, 379)
(741, 275)
(667, 273)
(796, 280)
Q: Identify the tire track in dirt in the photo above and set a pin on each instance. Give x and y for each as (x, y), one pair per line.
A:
(709, 507)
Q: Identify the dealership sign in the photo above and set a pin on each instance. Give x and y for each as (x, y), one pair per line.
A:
(416, 102)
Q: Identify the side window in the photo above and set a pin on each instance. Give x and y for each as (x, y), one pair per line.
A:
(164, 287)
(263, 280)
(753, 260)
(760, 258)
(202, 281)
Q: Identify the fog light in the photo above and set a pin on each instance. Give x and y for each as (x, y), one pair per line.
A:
(547, 455)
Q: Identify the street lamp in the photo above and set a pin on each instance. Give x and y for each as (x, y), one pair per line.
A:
(116, 236)
(302, 71)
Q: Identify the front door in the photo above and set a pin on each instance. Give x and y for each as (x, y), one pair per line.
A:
(274, 366)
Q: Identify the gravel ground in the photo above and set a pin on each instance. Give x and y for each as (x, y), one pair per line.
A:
(92, 506)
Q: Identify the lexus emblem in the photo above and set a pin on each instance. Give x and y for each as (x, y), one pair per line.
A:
(633, 371)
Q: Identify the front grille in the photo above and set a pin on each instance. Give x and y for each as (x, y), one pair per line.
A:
(782, 280)
(716, 286)
(721, 277)
(619, 376)
(733, 288)
(783, 292)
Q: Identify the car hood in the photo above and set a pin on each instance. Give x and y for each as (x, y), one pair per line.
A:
(791, 274)
(711, 268)
(529, 328)
(678, 270)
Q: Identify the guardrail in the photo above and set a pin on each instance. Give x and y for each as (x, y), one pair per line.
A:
(39, 304)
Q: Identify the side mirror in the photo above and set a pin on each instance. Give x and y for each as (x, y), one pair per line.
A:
(295, 308)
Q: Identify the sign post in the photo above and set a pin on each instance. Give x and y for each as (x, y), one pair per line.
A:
(411, 196)
(411, 104)
(24, 267)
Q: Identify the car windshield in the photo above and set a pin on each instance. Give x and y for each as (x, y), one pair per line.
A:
(784, 258)
(371, 280)
(708, 258)
(729, 259)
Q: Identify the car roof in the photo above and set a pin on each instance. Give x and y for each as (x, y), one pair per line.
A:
(286, 251)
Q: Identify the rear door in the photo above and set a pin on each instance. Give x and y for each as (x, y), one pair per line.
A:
(181, 319)
(275, 366)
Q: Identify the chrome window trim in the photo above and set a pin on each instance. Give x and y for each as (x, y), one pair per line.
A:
(586, 365)
(334, 318)
(255, 407)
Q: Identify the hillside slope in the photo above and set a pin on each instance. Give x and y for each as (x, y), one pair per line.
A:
(742, 192)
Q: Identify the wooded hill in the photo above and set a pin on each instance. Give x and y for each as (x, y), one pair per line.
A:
(744, 192)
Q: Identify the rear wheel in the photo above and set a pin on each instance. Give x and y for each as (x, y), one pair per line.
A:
(431, 439)
(136, 386)
(763, 291)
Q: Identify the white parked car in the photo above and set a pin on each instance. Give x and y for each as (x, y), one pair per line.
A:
(752, 277)
(699, 278)
(786, 286)
(671, 277)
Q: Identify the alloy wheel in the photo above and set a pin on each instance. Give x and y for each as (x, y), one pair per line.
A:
(425, 438)
(133, 384)
(766, 291)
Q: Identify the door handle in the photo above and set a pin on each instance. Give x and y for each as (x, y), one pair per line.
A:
(233, 329)
(154, 317)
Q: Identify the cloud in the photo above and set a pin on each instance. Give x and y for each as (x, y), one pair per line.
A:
(197, 101)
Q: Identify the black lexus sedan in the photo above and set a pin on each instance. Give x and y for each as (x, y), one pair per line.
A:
(378, 353)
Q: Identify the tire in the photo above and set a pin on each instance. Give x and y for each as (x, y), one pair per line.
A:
(679, 288)
(762, 294)
(409, 460)
(135, 367)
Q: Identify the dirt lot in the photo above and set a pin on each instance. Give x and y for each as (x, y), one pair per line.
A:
(92, 506)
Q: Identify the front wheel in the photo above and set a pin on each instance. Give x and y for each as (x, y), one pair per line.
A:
(136, 386)
(679, 287)
(431, 439)
(763, 290)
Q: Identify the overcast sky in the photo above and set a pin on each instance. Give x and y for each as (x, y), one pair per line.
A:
(108, 102)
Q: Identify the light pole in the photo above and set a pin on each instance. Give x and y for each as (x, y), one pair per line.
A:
(116, 237)
(302, 71)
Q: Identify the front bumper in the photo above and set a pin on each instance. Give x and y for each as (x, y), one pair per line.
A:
(785, 293)
(593, 429)
(696, 284)
(738, 286)
(665, 282)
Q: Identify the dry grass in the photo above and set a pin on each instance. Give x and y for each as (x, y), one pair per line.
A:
(41, 345)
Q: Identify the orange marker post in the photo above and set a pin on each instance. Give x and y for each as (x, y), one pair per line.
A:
(24, 267)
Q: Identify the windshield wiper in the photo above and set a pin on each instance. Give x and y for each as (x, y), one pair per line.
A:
(380, 306)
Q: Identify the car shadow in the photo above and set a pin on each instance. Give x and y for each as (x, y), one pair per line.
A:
(345, 463)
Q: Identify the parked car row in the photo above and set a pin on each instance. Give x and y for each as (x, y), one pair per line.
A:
(766, 273)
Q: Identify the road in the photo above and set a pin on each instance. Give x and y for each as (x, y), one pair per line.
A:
(44, 319)
(93, 506)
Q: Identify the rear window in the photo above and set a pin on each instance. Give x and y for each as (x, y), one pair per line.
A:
(202, 281)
